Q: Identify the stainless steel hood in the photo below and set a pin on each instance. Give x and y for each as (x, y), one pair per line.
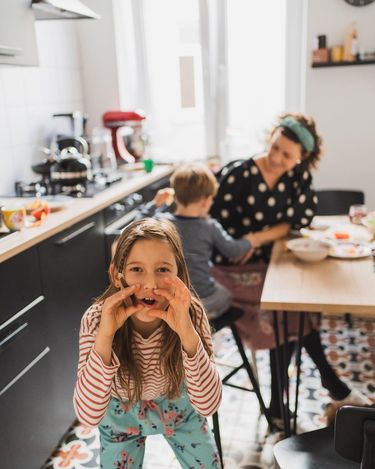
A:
(62, 9)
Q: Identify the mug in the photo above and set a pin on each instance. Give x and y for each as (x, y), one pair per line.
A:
(14, 216)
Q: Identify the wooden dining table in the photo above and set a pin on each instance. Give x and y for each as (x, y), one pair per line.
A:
(332, 286)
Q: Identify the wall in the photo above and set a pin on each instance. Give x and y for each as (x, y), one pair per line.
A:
(30, 95)
(343, 99)
(99, 63)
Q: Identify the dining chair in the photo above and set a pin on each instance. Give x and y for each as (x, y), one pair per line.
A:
(228, 319)
(349, 444)
(338, 201)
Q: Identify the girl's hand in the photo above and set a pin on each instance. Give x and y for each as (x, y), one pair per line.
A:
(177, 314)
(116, 310)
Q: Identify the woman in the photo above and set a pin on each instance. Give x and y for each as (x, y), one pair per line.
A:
(269, 195)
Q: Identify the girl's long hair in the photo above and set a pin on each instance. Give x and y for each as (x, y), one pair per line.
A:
(129, 374)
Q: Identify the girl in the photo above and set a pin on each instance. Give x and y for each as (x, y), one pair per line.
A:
(145, 364)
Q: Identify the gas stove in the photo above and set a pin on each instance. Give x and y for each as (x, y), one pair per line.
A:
(43, 187)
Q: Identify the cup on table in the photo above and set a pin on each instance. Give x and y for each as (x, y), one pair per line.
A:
(148, 165)
(356, 213)
(14, 216)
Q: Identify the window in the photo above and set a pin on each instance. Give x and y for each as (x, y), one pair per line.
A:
(210, 74)
(256, 73)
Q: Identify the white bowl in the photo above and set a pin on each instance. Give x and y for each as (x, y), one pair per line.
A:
(308, 250)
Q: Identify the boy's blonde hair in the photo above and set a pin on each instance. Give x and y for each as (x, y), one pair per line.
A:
(193, 182)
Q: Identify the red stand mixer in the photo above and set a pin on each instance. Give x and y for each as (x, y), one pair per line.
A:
(128, 139)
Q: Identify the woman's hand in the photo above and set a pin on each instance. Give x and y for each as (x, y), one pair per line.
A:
(177, 314)
(116, 310)
(243, 259)
(254, 239)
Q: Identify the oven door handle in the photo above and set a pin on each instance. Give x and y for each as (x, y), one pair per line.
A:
(121, 222)
(75, 234)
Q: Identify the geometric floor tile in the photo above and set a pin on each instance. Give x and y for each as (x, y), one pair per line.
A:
(351, 351)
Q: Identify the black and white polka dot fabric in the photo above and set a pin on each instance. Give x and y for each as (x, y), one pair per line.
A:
(245, 203)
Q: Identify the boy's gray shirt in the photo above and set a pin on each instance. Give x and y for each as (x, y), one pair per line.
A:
(199, 238)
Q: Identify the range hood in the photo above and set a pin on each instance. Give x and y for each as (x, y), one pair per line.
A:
(62, 9)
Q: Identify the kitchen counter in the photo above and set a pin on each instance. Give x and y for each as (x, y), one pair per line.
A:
(76, 211)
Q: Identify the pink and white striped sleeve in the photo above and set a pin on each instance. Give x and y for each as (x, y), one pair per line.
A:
(202, 378)
(92, 391)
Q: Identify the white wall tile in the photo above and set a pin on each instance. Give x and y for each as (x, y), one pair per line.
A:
(7, 175)
(30, 95)
(13, 89)
(4, 124)
(57, 44)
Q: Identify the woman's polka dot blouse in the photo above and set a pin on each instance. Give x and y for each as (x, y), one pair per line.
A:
(245, 203)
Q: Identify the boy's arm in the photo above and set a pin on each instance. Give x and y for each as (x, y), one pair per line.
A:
(162, 200)
(274, 233)
(227, 245)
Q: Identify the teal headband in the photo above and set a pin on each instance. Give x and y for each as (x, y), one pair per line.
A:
(302, 133)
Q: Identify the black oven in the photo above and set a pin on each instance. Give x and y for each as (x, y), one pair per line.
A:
(120, 214)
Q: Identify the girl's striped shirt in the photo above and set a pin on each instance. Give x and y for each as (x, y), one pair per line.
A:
(97, 382)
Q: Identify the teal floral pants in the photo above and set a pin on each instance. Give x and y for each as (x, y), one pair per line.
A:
(124, 429)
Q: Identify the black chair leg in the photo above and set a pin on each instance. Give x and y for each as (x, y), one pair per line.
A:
(349, 320)
(250, 372)
(215, 422)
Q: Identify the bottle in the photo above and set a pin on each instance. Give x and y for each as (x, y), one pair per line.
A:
(351, 44)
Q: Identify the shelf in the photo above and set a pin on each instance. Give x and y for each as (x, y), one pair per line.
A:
(343, 64)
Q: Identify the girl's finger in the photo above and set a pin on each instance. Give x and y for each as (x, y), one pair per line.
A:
(133, 309)
(119, 296)
(157, 313)
(179, 285)
(165, 293)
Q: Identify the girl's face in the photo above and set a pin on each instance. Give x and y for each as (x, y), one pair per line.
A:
(283, 154)
(148, 263)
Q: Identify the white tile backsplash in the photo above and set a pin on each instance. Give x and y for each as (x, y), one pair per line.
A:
(30, 95)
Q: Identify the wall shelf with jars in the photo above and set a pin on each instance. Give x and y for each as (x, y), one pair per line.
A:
(343, 63)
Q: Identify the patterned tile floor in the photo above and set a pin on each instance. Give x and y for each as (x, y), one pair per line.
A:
(244, 431)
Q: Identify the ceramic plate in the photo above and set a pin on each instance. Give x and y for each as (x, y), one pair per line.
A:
(349, 251)
(343, 233)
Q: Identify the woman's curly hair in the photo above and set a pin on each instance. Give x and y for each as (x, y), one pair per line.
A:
(308, 159)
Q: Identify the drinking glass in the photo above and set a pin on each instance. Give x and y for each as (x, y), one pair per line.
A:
(356, 213)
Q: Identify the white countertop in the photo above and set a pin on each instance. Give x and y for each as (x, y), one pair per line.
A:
(76, 211)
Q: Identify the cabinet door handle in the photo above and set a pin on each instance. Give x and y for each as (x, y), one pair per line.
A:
(22, 312)
(10, 51)
(12, 334)
(25, 370)
(121, 222)
(76, 233)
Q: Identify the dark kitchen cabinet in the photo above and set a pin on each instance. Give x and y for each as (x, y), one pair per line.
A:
(26, 404)
(73, 270)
